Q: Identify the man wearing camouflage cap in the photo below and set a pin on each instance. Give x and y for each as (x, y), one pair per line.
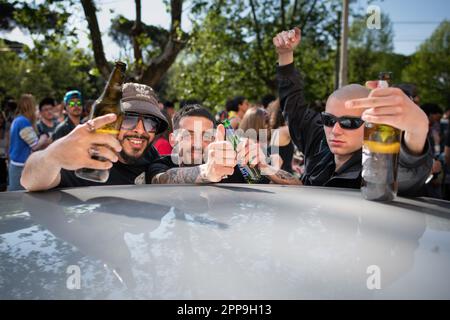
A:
(130, 156)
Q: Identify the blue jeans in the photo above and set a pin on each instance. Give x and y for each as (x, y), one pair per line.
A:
(14, 174)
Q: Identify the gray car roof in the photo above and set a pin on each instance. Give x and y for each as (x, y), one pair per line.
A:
(221, 242)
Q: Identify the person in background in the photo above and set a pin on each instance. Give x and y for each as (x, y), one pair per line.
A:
(410, 90)
(9, 110)
(59, 113)
(73, 102)
(23, 140)
(47, 123)
(161, 143)
(87, 110)
(255, 125)
(281, 140)
(434, 114)
(445, 126)
(267, 99)
(169, 108)
(446, 191)
(433, 186)
(3, 152)
(236, 108)
(221, 116)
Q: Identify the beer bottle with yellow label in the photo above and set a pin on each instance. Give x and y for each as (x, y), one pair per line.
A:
(108, 102)
(380, 152)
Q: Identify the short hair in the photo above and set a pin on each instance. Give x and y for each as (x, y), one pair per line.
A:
(237, 101)
(408, 88)
(229, 105)
(168, 104)
(431, 108)
(187, 102)
(349, 92)
(267, 99)
(47, 101)
(192, 110)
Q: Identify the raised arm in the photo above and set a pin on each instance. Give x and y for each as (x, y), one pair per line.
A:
(42, 170)
(304, 124)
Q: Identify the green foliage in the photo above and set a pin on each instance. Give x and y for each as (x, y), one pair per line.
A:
(430, 67)
(59, 69)
(152, 39)
(231, 53)
(370, 51)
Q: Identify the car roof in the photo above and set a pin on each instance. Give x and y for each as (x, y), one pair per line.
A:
(222, 241)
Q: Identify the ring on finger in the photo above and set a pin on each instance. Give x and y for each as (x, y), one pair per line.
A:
(93, 151)
(90, 126)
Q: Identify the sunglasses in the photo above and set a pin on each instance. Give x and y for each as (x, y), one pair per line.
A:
(75, 103)
(350, 123)
(130, 121)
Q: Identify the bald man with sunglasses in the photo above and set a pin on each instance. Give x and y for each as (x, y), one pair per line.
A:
(332, 140)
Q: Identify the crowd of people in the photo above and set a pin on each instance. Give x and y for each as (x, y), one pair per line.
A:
(288, 140)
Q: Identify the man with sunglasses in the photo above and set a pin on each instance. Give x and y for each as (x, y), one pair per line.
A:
(73, 102)
(131, 156)
(195, 139)
(332, 141)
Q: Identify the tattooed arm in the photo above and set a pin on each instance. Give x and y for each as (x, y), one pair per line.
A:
(284, 177)
(220, 162)
(182, 175)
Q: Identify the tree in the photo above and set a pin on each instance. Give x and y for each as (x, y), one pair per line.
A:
(230, 50)
(54, 64)
(430, 67)
(60, 68)
(371, 51)
(148, 67)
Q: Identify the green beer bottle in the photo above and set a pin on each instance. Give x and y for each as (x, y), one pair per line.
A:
(108, 102)
(251, 175)
(380, 152)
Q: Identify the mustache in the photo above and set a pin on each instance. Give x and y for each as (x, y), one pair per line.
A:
(137, 136)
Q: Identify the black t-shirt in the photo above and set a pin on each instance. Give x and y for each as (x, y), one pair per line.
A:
(447, 142)
(64, 128)
(120, 173)
(44, 129)
(165, 163)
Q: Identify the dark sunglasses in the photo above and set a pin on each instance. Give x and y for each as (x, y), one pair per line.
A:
(130, 121)
(74, 103)
(350, 123)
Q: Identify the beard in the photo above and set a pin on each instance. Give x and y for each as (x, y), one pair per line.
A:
(128, 159)
(133, 159)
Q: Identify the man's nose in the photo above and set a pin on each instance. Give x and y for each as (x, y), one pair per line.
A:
(337, 129)
(140, 128)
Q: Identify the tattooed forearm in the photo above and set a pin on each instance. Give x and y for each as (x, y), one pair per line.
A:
(180, 176)
(283, 177)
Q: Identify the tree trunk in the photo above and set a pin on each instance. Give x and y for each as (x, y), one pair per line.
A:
(96, 38)
(343, 72)
(159, 66)
(136, 32)
(338, 47)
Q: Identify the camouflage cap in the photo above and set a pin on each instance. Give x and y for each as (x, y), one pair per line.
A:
(141, 99)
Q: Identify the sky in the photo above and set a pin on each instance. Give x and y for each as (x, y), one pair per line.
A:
(413, 20)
